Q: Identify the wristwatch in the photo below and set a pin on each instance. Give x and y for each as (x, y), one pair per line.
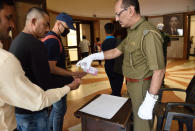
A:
(154, 96)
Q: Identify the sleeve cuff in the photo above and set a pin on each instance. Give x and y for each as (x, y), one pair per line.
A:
(64, 90)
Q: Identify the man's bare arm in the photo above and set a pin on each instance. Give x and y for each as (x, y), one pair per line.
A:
(156, 81)
(111, 54)
(63, 72)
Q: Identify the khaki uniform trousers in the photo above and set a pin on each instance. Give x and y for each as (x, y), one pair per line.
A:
(137, 92)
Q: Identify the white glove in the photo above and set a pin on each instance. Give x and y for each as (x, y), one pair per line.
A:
(86, 62)
(146, 108)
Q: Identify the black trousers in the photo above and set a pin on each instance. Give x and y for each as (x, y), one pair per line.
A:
(116, 81)
(84, 54)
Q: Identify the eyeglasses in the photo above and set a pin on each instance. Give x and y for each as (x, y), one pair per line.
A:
(119, 13)
(64, 26)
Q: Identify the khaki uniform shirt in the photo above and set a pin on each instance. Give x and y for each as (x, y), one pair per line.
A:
(17, 90)
(141, 59)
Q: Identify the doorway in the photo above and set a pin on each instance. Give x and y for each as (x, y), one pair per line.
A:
(192, 36)
(74, 38)
(72, 45)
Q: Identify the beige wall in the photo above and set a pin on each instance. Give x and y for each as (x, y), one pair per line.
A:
(192, 33)
(177, 46)
(86, 31)
(105, 8)
(52, 17)
(96, 29)
(155, 20)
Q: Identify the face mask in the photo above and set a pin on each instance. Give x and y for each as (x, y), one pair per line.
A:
(65, 32)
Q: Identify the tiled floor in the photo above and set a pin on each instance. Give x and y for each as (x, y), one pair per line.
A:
(178, 75)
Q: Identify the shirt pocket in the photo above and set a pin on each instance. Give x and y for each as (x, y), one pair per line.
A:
(130, 49)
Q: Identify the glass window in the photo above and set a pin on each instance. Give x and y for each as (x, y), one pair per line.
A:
(73, 54)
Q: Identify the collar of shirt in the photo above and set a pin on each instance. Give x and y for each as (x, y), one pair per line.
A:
(139, 22)
(53, 33)
(1, 45)
(108, 37)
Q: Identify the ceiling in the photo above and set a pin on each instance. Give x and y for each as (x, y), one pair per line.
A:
(105, 8)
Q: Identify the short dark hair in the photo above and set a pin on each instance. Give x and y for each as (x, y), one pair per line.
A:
(97, 39)
(84, 37)
(6, 2)
(109, 28)
(135, 3)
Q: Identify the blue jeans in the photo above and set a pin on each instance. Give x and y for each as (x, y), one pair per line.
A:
(56, 117)
(32, 122)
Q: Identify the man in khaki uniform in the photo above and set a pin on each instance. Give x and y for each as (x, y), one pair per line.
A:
(14, 85)
(143, 64)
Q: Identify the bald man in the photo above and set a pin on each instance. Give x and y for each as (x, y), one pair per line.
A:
(15, 87)
(33, 56)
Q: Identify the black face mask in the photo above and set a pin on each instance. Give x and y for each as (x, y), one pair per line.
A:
(65, 32)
